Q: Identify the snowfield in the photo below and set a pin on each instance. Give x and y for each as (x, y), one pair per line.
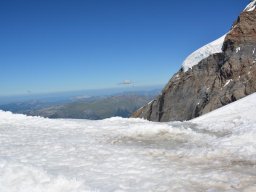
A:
(216, 152)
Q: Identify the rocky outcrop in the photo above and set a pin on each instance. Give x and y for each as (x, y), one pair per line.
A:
(215, 81)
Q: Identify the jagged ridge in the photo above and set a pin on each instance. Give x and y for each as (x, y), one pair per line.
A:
(215, 81)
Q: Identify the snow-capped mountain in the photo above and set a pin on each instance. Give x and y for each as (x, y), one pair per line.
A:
(215, 75)
(211, 48)
(215, 152)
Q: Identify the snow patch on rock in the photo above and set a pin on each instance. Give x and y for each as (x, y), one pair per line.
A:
(228, 82)
(202, 53)
(251, 6)
(238, 49)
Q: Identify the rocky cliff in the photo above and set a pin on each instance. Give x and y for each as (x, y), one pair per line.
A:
(209, 78)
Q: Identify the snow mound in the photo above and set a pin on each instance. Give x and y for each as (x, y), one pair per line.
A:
(202, 53)
(244, 108)
(251, 6)
(215, 152)
(28, 178)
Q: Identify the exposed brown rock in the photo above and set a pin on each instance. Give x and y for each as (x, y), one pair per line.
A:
(216, 81)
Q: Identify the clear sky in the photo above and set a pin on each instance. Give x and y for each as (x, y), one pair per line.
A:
(61, 45)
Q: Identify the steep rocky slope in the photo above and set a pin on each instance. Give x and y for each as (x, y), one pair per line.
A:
(218, 79)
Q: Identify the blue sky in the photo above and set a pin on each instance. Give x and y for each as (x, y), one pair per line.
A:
(59, 45)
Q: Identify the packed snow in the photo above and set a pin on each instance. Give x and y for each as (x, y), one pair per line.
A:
(215, 152)
(251, 6)
(202, 53)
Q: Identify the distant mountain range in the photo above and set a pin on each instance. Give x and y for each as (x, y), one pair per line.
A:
(95, 107)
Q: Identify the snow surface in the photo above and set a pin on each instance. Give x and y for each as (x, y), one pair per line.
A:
(251, 6)
(215, 152)
(202, 53)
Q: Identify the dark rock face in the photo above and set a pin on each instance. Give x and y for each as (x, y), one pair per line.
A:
(218, 80)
